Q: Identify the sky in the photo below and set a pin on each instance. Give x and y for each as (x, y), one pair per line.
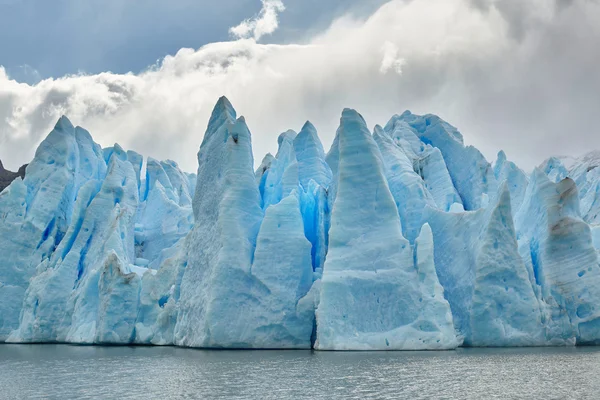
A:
(522, 76)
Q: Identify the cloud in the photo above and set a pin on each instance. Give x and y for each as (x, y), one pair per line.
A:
(533, 94)
(264, 23)
(390, 59)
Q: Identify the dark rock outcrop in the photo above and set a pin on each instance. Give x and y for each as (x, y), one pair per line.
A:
(6, 176)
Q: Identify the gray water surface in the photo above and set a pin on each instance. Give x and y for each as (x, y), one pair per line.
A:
(83, 372)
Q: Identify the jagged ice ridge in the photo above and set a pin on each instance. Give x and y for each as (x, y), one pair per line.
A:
(399, 239)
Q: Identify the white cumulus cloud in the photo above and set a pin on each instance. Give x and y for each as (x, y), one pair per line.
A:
(265, 23)
(531, 93)
(390, 59)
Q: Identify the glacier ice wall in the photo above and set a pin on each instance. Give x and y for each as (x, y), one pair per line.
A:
(400, 239)
(371, 297)
(74, 218)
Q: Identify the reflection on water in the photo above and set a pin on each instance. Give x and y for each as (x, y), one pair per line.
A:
(80, 372)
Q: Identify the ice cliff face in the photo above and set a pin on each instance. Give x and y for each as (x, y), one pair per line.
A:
(71, 228)
(375, 293)
(400, 239)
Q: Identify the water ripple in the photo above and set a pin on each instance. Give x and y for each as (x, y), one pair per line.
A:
(88, 372)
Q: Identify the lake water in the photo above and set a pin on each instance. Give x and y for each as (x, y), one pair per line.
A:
(81, 372)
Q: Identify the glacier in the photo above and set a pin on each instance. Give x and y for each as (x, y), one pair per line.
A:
(398, 238)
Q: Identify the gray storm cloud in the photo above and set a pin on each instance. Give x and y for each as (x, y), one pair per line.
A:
(519, 76)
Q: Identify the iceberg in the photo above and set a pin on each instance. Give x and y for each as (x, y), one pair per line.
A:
(398, 239)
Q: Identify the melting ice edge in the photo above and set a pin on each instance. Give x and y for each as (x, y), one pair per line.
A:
(400, 239)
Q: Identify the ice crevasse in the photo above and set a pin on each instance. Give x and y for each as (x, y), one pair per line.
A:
(402, 238)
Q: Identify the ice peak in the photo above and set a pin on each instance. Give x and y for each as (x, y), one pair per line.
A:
(538, 175)
(119, 152)
(501, 157)
(554, 168)
(268, 158)
(378, 131)
(351, 116)
(308, 127)
(288, 135)
(222, 112)
(223, 103)
(63, 124)
(308, 134)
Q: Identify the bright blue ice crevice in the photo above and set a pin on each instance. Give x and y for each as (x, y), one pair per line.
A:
(314, 177)
(315, 213)
(300, 166)
(370, 295)
(107, 153)
(262, 172)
